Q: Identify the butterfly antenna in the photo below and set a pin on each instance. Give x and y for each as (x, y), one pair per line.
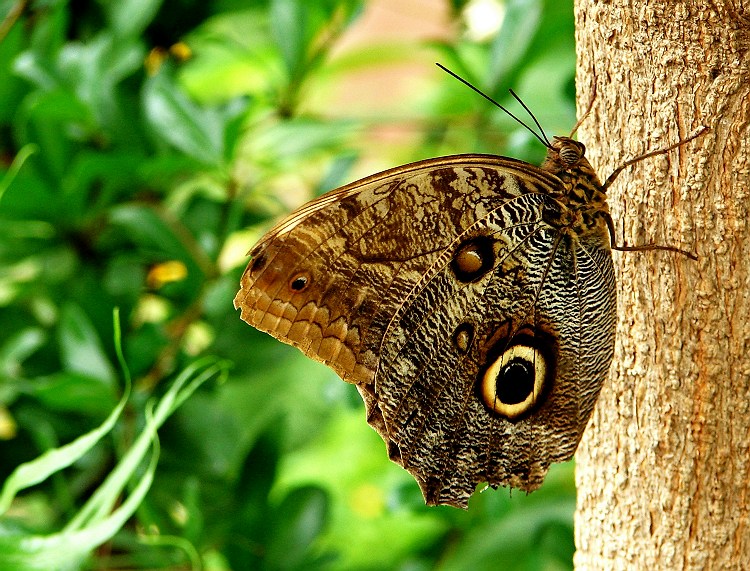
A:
(544, 141)
(586, 113)
(517, 98)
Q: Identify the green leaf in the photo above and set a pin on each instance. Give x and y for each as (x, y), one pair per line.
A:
(130, 17)
(96, 180)
(49, 32)
(511, 44)
(15, 166)
(106, 495)
(47, 120)
(233, 56)
(19, 347)
(292, 140)
(174, 118)
(67, 549)
(288, 23)
(81, 349)
(11, 87)
(160, 241)
(510, 540)
(41, 468)
(93, 70)
(96, 522)
(299, 520)
(73, 392)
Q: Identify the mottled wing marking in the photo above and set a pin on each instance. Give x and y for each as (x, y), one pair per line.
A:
(363, 247)
(425, 282)
(427, 415)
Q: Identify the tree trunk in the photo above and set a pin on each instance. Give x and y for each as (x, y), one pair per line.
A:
(663, 471)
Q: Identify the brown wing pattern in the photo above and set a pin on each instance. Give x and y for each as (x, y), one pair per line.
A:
(560, 289)
(470, 298)
(329, 278)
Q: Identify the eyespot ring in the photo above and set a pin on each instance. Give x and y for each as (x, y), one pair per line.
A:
(518, 371)
(514, 382)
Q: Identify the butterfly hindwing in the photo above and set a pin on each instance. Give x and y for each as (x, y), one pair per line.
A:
(445, 336)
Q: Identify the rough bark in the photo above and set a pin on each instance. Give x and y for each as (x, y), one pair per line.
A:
(663, 472)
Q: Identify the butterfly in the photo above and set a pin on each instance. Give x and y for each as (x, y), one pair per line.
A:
(470, 298)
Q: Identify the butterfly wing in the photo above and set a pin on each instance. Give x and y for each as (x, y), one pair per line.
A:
(411, 283)
(329, 277)
(547, 297)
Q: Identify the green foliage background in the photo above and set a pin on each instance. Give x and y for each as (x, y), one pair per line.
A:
(144, 147)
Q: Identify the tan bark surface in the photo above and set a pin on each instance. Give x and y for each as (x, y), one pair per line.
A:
(663, 471)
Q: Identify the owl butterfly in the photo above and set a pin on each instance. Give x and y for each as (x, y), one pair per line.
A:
(470, 298)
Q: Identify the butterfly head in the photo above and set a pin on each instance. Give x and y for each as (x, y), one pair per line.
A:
(566, 151)
(564, 155)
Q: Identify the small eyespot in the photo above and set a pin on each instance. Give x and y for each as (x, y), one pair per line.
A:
(299, 282)
(463, 336)
(473, 259)
(514, 383)
(258, 262)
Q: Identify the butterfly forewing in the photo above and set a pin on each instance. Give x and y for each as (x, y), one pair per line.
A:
(328, 278)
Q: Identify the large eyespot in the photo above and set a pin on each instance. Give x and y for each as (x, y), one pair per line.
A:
(518, 374)
(514, 382)
(473, 259)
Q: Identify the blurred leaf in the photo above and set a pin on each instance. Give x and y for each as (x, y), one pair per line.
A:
(348, 460)
(74, 392)
(233, 56)
(282, 143)
(298, 521)
(48, 34)
(47, 119)
(196, 131)
(11, 88)
(289, 21)
(95, 68)
(303, 31)
(94, 180)
(18, 348)
(510, 46)
(251, 524)
(15, 166)
(509, 541)
(159, 241)
(28, 198)
(130, 17)
(81, 349)
(124, 276)
(30, 67)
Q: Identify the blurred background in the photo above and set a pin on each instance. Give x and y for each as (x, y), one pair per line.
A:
(145, 146)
